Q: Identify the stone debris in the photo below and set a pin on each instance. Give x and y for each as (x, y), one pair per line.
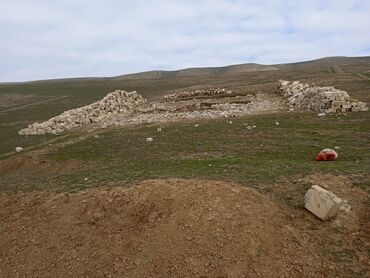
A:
(196, 125)
(321, 202)
(159, 129)
(121, 108)
(18, 149)
(149, 139)
(201, 93)
(319, 99)
(327, 155)
(277, 123)
(114, 103)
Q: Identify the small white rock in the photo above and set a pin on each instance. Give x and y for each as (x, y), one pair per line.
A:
(18, 149)
(149, 139)
(321, 114)
(159, 129)
(196, 125)
(277, 123)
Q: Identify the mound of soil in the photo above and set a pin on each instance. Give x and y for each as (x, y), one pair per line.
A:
(171, 228)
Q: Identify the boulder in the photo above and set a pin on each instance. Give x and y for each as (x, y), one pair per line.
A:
(321, 202)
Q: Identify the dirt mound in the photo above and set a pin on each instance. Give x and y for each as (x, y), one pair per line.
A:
(173, 228)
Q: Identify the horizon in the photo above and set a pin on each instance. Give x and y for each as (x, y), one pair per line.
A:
(43, 40)
(174, 70)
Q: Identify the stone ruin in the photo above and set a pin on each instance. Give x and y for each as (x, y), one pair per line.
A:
(200, 93)
(319, 99)
(117, 102)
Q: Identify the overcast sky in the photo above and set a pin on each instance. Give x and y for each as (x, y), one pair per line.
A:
(43, 39)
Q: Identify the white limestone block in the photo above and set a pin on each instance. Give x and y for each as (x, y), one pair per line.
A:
(321, 202)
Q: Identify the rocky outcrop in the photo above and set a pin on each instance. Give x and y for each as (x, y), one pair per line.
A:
(117, 102)
(319, 99)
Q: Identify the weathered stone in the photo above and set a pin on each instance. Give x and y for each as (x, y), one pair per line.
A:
(320, 99)
(198, 94)
(18, 149)
(321, 202)
(112, 104)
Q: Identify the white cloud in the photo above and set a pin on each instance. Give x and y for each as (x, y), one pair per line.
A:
(50, 39)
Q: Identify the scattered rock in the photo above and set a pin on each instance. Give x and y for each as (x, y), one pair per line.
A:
(149, 139)
(277, 123)
(18, 149)
(321, 114)
(159, 129)
(322, 203)
(196, 125)
(327, 155)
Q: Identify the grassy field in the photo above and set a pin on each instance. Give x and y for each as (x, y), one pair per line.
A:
(214, 150)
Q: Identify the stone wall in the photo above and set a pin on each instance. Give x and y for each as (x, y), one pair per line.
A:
(201, 93)
(117, 102)
(320, 99)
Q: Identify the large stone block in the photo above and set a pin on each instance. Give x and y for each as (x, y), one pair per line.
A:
(321, 202)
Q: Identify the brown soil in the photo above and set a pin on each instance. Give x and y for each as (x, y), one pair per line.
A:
(171, 228)
(34, 163)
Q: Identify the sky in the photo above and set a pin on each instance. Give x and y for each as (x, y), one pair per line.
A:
(44, 39)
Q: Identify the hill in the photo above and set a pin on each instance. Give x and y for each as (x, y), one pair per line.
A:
(205, 72)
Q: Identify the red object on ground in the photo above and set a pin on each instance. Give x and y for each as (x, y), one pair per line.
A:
(327, 155)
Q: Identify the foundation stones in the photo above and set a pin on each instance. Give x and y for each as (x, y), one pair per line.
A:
(202, 93)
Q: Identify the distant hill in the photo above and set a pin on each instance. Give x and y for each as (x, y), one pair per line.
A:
(323, 63)
(249, 67)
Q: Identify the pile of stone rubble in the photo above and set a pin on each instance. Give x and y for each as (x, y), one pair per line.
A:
(201, 93)
(114, 103)
(167, 112)
(320, 99)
